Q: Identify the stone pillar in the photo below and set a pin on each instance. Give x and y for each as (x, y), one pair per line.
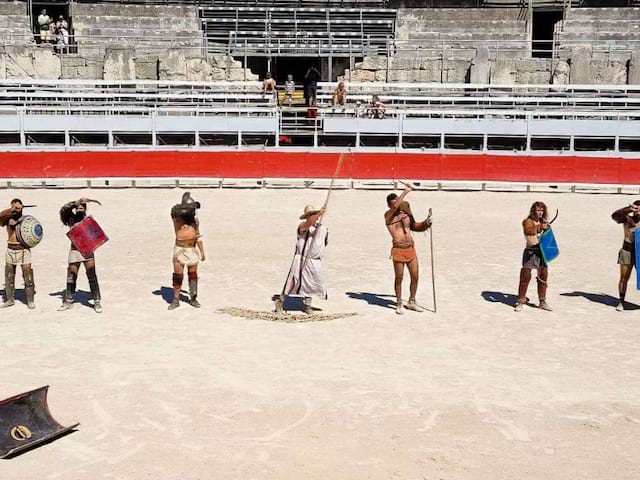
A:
(581, 72)
(481, 66)
(634, 68)
(119, 64)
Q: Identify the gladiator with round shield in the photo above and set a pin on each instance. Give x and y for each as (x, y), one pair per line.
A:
(24, 232)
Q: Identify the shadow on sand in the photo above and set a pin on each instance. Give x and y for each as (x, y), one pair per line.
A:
(82, 297)
(602, 298)
(499, 297)
(167, 294)
(377, 299)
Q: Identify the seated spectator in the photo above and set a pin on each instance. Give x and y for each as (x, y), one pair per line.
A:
(340, 95)
(269, 85)
(376, 107)
(44, 22)
(62, 35)
(289, 89)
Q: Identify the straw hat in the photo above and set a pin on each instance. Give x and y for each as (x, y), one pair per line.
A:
(308, 211)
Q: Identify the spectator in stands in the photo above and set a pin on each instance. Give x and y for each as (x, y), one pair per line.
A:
(269, 86)
(376, 107)
(62, 35)
(289, 89)
(340, 95)
(44, 22)
(311, 79)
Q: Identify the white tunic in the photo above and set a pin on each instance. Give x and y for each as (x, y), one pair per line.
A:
(307, 265)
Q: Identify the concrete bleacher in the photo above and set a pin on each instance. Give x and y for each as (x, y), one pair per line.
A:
(605, 29)
(154, 26)
(14, 24)
(462, 30)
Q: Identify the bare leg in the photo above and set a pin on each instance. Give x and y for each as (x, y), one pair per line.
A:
(625, 274)
(398, 268)
(525, 278)
(413, 287)
(69, 293)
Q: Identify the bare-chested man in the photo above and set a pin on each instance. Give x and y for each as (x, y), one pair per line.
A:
(16, 255)
(533, 226)
(187, 230)
(400, 223)
(629, 217)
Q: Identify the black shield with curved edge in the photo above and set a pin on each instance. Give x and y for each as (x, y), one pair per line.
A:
(25, 422)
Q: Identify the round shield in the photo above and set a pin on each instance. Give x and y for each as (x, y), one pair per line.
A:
(29, 231)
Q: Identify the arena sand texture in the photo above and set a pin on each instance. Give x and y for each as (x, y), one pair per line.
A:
(475, 391)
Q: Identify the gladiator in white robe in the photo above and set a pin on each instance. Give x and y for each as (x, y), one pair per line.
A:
(305, 277)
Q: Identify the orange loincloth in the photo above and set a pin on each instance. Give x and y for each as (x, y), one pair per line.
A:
(403, 255)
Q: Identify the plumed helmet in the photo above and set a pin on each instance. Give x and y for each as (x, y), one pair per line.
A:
(187, 201)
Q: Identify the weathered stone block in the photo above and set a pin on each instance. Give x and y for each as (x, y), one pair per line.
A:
(503, 71)
(480, 70)
(363, 76)
(119, 64)
(235, 74)
(19, 62)
(380, 76)
(561, 73)
(609, 73)
(373, 63)
(46, 64)
(455, 71)
(147, 67)
(634, 68)
(581, 65)
(198, 70)
(173, 65)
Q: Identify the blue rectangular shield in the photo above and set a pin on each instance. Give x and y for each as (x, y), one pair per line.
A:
(636, 241)
(549, 246)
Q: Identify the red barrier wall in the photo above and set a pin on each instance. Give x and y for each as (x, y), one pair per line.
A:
(311, 164)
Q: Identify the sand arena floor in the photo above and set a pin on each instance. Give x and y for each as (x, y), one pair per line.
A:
(475, 391)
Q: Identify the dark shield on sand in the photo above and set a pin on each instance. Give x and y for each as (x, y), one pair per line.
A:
(25, 423)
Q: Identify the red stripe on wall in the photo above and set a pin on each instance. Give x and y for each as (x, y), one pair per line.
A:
(283, 164)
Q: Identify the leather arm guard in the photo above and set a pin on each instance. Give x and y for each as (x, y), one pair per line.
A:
(5, 216)
(621, 215)
(420, 226)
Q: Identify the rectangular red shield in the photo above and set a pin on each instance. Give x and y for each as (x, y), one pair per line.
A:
(87, 236)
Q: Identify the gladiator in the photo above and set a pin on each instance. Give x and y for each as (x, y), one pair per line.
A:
(70, 214)
(533, 226)
(305, 278)
(17, 254)
(629, 218)
(188, 249)
(400, 223)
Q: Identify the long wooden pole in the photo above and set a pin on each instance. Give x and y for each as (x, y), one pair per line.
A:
(433, 271)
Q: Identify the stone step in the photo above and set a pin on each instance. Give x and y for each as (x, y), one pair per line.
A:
(467, 15)
(586, 14)
(502, 36)
(163, 23)
(13, 8)
(602, 25)
(601, 36)
(119, 10)
(129, 33)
